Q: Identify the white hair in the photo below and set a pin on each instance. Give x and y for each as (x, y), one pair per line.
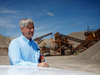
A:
(24, 22)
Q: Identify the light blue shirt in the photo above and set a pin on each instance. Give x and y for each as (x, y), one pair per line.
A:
(23, 52)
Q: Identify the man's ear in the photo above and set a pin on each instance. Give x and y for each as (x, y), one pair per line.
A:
(22, 29)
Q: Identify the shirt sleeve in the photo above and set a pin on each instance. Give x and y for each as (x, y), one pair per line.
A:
(15, 56)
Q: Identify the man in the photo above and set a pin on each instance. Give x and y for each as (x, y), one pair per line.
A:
(23, 51)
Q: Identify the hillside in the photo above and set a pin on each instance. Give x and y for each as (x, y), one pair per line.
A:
(4, 41)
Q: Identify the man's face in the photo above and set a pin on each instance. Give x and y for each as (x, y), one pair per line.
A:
(28, 31)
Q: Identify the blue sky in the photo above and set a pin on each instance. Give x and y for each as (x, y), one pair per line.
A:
(63, 16)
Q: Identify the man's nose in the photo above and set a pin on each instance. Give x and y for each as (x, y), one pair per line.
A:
(32, 29)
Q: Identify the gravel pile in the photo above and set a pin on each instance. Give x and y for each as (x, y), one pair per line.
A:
(78, 35)
(92, 53)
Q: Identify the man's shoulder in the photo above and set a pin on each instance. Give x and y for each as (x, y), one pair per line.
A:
(16, 39)
(15, 42)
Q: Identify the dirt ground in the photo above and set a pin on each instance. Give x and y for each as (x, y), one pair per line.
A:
(68, 63)
(65, 62)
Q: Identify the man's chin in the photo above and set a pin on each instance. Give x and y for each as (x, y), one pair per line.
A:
(31, 35)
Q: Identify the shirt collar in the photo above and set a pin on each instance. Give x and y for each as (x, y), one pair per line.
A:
(25, 39)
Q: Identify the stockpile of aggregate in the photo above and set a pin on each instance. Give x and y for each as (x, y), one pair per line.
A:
(92, 53)
(79, 35)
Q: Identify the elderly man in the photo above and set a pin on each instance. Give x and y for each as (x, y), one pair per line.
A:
(23, 51)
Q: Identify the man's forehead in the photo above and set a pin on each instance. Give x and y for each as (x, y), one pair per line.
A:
(30, 25)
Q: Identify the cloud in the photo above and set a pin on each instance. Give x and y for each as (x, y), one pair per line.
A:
(11, 26)
(3, 27)
(4, 21)
(6, 24)
(9, 11)
(50, 14)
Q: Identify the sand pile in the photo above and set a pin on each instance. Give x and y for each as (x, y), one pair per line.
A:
(92, 53)
(78, 35)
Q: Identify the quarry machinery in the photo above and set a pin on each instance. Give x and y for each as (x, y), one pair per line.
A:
(62, 42)
(91, 37)
(39, 39)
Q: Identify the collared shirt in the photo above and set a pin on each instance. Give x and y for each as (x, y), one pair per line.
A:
(23, 52)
